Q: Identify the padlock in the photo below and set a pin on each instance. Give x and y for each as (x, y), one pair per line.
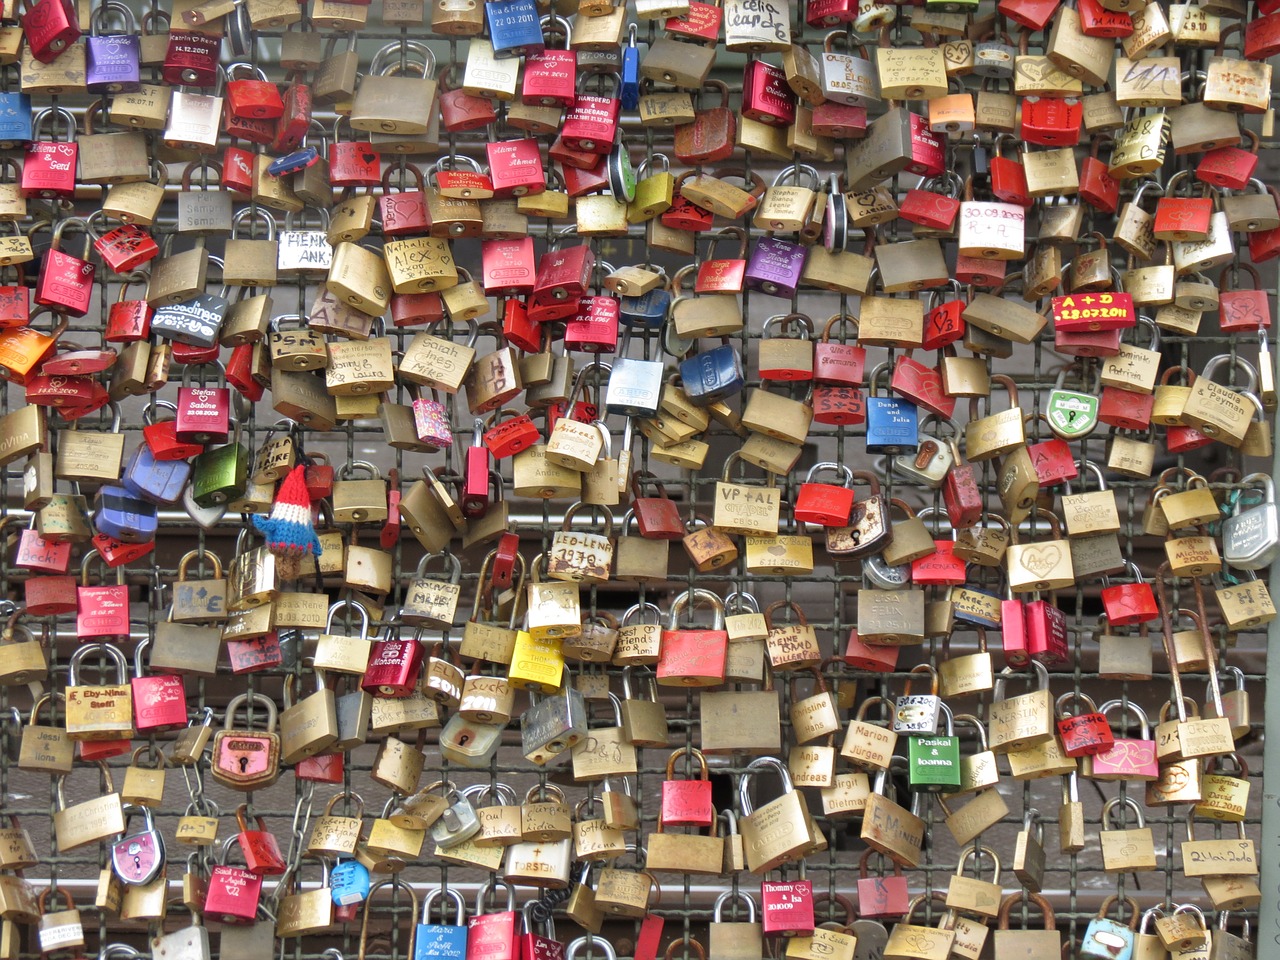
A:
(693, 657)
(1107, 938)
(1022, 721)
(245, 759)
(1084, 733)
(88, 821)
(933, 762)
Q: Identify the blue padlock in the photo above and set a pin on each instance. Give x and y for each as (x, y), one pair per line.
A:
(647, 310)
(712, 375)
(157, 481)
(630, 92)
(123, 517)
(349, 883)
(15, 120)
(515, 28)
(892, 423)
(972, 613)
(1107, 939)
(441, 941)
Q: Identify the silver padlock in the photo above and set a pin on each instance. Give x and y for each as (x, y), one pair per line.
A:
(1251, 538)
(884, 575)
(186, 943)
(459, 822)
(847, 78)
(932, 460)
(916, 714)
(551, 725)
(635, 386)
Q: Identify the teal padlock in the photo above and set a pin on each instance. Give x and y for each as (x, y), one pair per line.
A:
(1107, 939)
(220, 475)
(934, 760)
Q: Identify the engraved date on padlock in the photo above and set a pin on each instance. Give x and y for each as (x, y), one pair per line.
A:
(916, 715)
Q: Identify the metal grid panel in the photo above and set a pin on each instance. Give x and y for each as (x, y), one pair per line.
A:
(828, 598)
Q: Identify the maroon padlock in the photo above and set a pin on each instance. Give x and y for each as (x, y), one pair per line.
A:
(261, 851)
(204, 413)
(962, 496)
(255, 654)
(842, 406)
(395, 667)
(191, 59)
(1046, 627)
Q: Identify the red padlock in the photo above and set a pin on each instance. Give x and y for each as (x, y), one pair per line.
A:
(515, 167)
(1125, 409)
(1097, 187)
(494, 936)
(255, 97)
(1083, 734)
(1097, 21)
(1087, 343)
(101, 611)
(701, 24)
(1009, 178)
(261, 851)
(935, 211)
(840, 406)
(15, 303)
(551, 76)
(881, 897)
(125, 247)
(204, 413)
(961, 496)
(570, 159)
(461, 111)
(687, 803)
(766, 97)
(255, 654)
(293, 123)
(1053, 460)
(826, 504)
(657, 517)
(1034, 15)
(830, 13)
(162, 436)
(509, 433)
(684, 214)
(248, 129)
(1051, 121)
(49, 27)
(1046, 633)
(944, 324)
(1184, 219)
(863, 656)
(49, 166)
(1013, 630)
(563, 277)
(318, 477)
(232, 894)
(1242, 311)
(241, 371)
(50, 595)
(838, 364)
(980, 272)
(416, 309)
(64, 391)
(522, 330)
(940, 568)
(693, 657)
(322, 768)
(594, 328)
(786, 908)
(508, 269)
(403, 212)
(116, 554)
(475, 475)
(237, 170)
(389, 535)
(395, 667)
(353, 163)
(191, 59)
(840, 121)
(922, 385)
(579, 181)
(1127, 604)
(1231, 167)
(723, 275)
(159, 702)
(1262, 37)
(590, 124)
(39, 555)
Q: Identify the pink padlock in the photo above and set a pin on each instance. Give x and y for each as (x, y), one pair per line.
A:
(1128, 759)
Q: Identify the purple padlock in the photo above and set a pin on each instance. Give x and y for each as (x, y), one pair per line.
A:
(774, 267)
(111, 59)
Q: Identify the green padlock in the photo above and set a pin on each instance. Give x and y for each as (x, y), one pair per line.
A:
(934, 761)
(220, 475)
